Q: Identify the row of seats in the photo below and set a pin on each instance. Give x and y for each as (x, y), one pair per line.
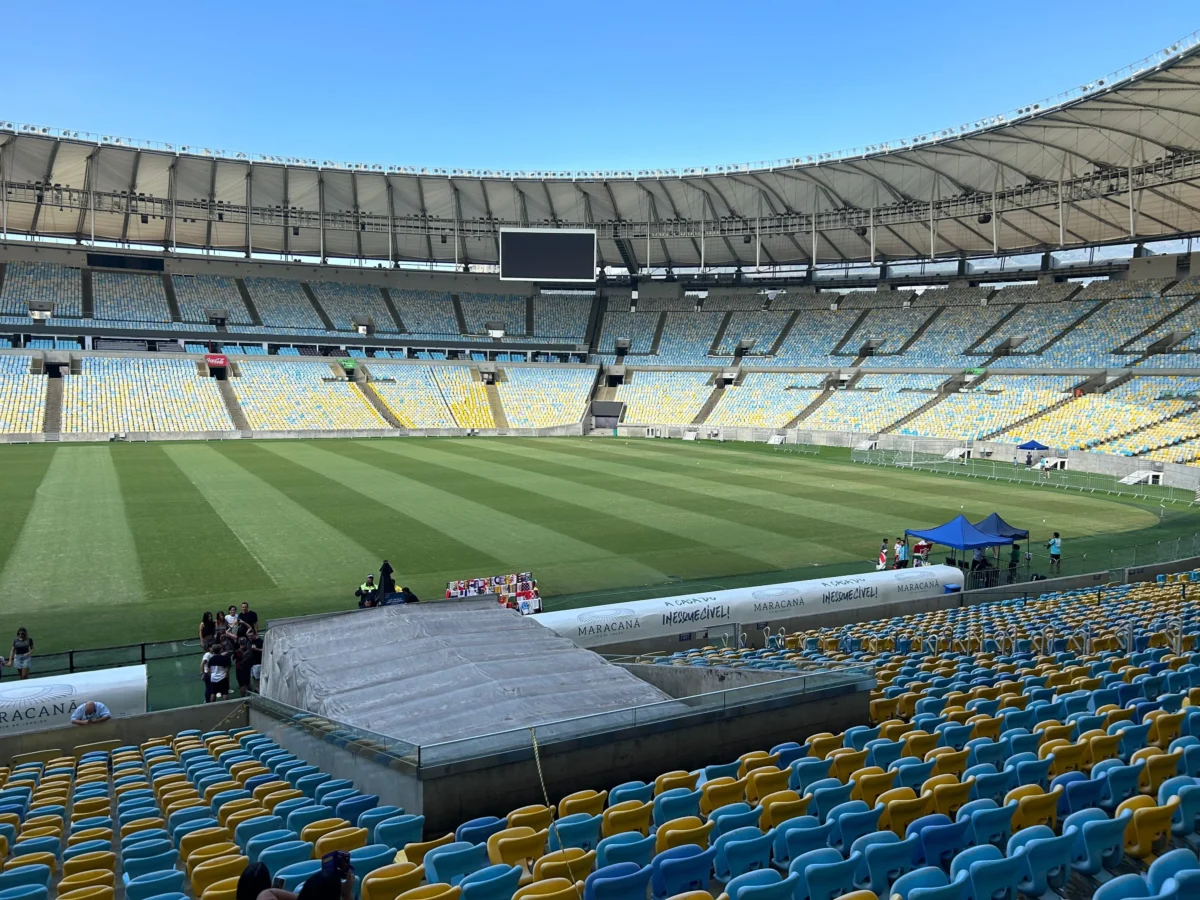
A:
(766, 400)
(669, 398)
(283, 396)
(196, 294)
(128, 297)
(124, 394)
(543, 397)
(990, 405)
(22, 395)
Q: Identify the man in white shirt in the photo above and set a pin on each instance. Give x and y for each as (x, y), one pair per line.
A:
(91, 713)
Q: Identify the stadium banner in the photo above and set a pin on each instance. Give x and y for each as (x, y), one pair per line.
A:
(748, 608)
(216, 359)
(39, 703)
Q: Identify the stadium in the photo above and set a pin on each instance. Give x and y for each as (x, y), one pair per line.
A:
(634, 438)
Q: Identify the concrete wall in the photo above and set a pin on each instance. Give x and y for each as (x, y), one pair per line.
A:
(128, 729)
(688, 681)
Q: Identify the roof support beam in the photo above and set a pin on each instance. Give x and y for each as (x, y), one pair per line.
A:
(212, 206)
(287, 209)
(425, 217)
(131, 199)
(41, 195)
(89, 175)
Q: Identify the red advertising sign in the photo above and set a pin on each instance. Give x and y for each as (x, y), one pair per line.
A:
(216, 359)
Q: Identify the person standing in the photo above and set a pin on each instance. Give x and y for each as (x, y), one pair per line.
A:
(367, 593)
(387, 584)
(901, 551)
(1055, 547)
(208, 629)
(249, 617)
(1014, 559)
(21, 655)
(219, 663)
(882, 556)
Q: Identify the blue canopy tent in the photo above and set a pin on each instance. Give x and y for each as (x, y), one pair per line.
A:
(1032, 445)
(959, 534)
(993, 524)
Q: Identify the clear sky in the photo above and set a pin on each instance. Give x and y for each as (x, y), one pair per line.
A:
(556, 85)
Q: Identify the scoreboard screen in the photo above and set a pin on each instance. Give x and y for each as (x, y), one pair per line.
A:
(547, 254)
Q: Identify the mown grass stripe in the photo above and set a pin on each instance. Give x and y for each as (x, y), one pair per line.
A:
(521, 543)
(298, 549)
(179, 536)
(24, 468)
(77, 542)
(656, 536)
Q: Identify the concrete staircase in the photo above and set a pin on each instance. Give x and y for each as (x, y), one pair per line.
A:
(716, 344)
(658, 330)
(255, 318)
(234, 408)
(849, 333)
(458, 314)
(785, 331)
(904, 420)
(987, 334)
(493, 395)
(1025, 421)
(368, 394)
(172, 300)
(709, 405)
(54, 396)
(1062, 334)
(921, 329)
(88, 298)
(1165, 320)
(316, 305)
(810, 409)
(392, 311)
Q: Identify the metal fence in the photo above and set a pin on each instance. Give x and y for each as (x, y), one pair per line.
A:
(995, 470)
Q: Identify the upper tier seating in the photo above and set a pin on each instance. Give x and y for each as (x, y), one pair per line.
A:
(22, 395)
(945, 341)
(1089, 345)
(283, 304)
(1037, 323)
(479, 309)
(342, 302)
(46, 282)
(996, 403)
(637, 328)
(814, 336)
(664, 398)
(127, 297)
(114, 395)
(545, 396)
(666, 304)
(882, 400)
(740, 301)
(766, 399)
(197, 293)
(427, 313)
(562, 319)
(893, 326)
(686, 337)
(282, 396)
(761, 327)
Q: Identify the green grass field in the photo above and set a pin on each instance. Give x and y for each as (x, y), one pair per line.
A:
(114, 544)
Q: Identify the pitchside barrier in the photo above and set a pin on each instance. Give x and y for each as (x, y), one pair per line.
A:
(574, 430)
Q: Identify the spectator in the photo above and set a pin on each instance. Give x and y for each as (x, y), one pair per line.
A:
(218, 674)
(256, 653)
(255, 879)
(408, 596)
(243, 661)
(387, 584)
(1029, 460)
(978, 559)
(208, 629)
(321, 885)
(882, 556)
(231, 619)
(249, 616)
(367, 593)
(21, 655)
(1054, 545)
(1014, 560)
(91, 713)
(901, 551)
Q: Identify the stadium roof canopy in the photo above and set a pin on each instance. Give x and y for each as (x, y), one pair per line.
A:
(1117, 159)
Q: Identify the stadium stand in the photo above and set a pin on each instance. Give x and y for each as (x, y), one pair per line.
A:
(1037, 323)
(197, 293)
(282, 396)
(637, 328)
(874, 404)
(544, 396)
(766, 399)
(665, 398)
(761, 327)
(125, 297)
(1090, 345)
(113, 395)
(686, 337)
(814, 337)
(45, 282)
(561, 318)
(466, 397)
(892, 326)
(282, 305)
(22, 395)
(997, 403)
(666, 304)
(412, 395)
(944, 342)
(342, 302)
(741, 301)
(427, 313)
(479, 309)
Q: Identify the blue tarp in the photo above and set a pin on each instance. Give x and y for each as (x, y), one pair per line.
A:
(1032, 445)
(993, 524)
(959, 534)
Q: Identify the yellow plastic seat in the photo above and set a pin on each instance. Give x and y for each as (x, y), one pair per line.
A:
(669, 780)
(210, 851)
(93, 806)
(103, 877)
(89, 834)
(918, 744)
(765, 780)
(869, 785)
(685, 830)
(1066, 757)
(272, 800)
(948, 761)
(1034, 807)
(1101, 747)
(520, 846)
(432, 892)
(536, 817)
(142, 825)
(35, 821)
(846, 762)
(1149, 831)
(1166, 727)
(213, 789)
(415, 852)
(33, 859)
(314, 831)
(900, 812)
(346, 839)
(589, 802)
(1159, 767)
(949, 796)
(265, 790)
(202, 837)
(629, 815)
(781, 806)
(175, 807)
(92, 892)
(233, 820)
(720, 792)
(550, 889)
(28, 834)
(388, 882)
(233, 806)
(211, 871)
(570, 863)
(225, 889)
(86, 861)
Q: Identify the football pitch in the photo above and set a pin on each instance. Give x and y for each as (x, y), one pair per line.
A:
(115, 544)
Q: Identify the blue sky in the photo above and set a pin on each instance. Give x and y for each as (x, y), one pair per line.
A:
(555, 85)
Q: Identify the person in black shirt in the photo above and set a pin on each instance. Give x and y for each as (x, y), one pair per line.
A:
(387, 584)
(217, 666)
(208, 629)
(249, 616)
(256, 653)
(243, 661)
(408, 596)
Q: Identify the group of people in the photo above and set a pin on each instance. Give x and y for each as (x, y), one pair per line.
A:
(231, 642)
(378, 593)
(902, 556)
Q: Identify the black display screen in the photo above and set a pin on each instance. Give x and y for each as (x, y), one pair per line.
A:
(550, 254)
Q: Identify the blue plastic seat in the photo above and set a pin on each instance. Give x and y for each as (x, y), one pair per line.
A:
(149, 847)
(398, 831)
(450, 863)
(294, 774)
(765, 884)
(155, 884)
(884, 860)
(1124, 887)
(224, 797)
(741, 850)
(1099, 841)
(807, 771)
(576, 830)
(1187, 812)
(22, 875)
(677, 803)
(143, 865)
(991, 823)
(497, 882)
(25, 892)
(923, 879)
(280, 856)
(262, 841)
(628, 846)
(993, 786)
(86, 847)
(291, 877)
(631, 790)
(624, 881)
(680, 869)
(333, 798)
(732, 816)
(990, 872)
(309, 783)
(802, 839)
(912, 773)
(828, 794)
(285, 808)
(475, 831)
(1133, 737)
(1047, 859)
(942, 842)
(331, 786)
(1170, 865)
(829, 880)
(883, 753)
(192, 825)
(1120, 782)
(36, 845)
(306, 815)
(258, 825)
(852, 820)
